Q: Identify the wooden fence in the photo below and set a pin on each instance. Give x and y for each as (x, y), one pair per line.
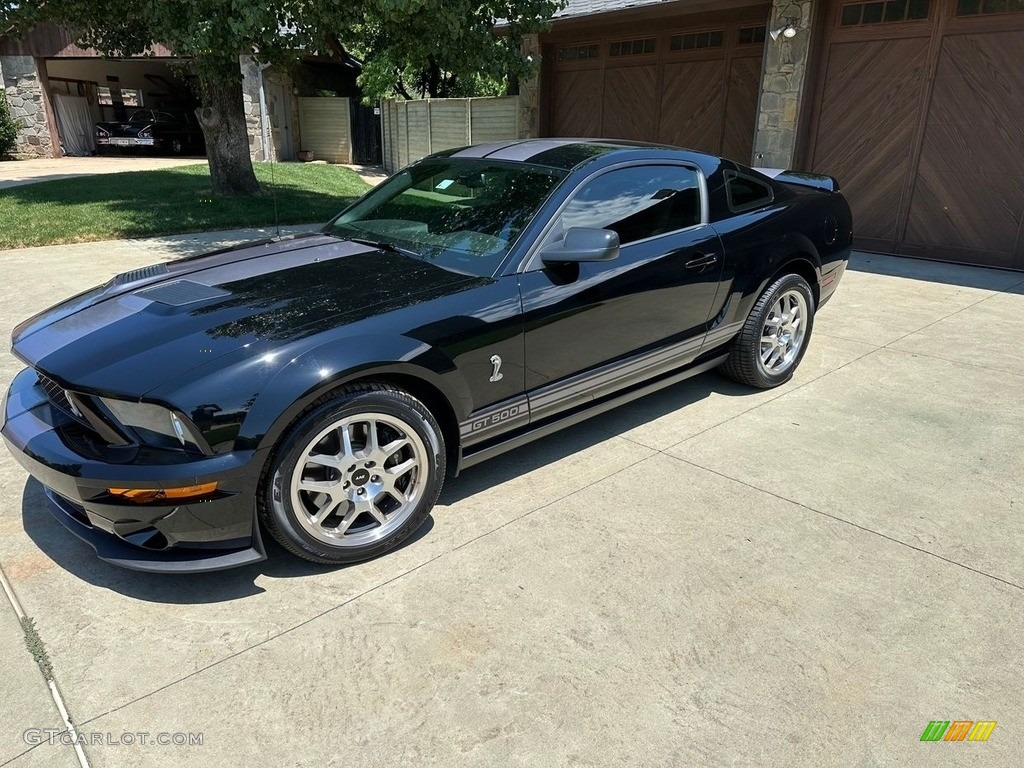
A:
(417, 128)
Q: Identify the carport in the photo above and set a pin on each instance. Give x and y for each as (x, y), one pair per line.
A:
(86, 91)
(58, 90)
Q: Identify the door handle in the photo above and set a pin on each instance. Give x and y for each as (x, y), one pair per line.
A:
(702, 261)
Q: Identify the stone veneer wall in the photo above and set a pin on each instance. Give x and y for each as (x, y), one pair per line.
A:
(251, 102)
(251, 105)
(24, 93)
(783, 94)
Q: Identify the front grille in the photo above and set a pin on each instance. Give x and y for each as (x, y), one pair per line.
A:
(58, 396)
(84, 412)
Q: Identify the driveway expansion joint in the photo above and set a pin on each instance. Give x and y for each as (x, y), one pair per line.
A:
(35, 644)
(839, 519)
(362, 594)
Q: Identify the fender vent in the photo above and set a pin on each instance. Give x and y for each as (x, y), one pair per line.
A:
(181, 292)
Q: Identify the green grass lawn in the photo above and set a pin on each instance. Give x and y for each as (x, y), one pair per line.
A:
(147, 203)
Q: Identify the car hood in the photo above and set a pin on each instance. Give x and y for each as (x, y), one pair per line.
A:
(123, 129)
(145, 327)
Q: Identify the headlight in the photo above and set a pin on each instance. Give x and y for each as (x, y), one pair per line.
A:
(146, 133)
(155, 425)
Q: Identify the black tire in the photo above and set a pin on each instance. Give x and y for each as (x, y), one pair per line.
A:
(308, 539)
(744, 363)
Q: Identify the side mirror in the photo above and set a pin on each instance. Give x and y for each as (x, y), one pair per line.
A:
(582, 244)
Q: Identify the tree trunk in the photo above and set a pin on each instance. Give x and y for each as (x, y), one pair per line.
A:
(222, 119)
(433, 79)
(512, 84)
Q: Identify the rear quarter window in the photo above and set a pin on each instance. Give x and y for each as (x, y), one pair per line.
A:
(745, 193)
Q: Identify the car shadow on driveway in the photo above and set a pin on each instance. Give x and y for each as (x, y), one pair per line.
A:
(78, 558)
(588, 433)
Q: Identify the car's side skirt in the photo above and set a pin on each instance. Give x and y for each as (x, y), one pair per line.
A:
(494, 421)
(578, 390)
(470, 458)
(570, 393)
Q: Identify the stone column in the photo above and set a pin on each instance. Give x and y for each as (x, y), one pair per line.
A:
(529, 91)
(251, 105)
(783, 81)
(25, 95)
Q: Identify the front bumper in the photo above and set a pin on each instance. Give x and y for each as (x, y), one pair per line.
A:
(124, 141)
(218, 532)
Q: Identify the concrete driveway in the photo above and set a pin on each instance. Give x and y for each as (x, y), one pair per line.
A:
(709, 576)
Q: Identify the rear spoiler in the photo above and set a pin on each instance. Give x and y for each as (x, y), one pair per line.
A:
(815, 180)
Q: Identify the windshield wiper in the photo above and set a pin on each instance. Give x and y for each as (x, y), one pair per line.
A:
(384, 246)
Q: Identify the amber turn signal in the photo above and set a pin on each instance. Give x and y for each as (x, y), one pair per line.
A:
(149, 495)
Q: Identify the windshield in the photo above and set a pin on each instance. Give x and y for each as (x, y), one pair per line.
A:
(149, 116)
(462, 214)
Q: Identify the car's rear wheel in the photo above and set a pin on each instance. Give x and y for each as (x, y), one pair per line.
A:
(773, 340)
(354, 477)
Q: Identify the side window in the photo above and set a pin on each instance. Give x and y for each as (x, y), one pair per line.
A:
(638, 202)
(745, 193)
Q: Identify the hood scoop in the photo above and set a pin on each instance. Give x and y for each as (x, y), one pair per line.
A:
(181, 292)
(140, 274)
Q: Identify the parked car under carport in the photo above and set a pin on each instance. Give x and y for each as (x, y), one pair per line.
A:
(150, 130)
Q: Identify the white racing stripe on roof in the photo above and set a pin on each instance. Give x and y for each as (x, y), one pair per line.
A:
(480, 150)
(524, 150)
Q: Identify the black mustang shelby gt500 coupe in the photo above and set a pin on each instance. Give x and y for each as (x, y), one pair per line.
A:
(321, 387)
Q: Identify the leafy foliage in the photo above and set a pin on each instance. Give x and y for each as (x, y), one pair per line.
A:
(211, 35)
(446, 48)
(422, 47)
(8, 128)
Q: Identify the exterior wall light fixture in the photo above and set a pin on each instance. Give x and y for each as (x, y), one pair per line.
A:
(787, 30)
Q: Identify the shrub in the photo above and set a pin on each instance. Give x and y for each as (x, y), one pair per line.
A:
(8, 128)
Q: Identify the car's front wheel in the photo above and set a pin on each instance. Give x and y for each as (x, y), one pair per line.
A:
(355, 476)
(773, 340)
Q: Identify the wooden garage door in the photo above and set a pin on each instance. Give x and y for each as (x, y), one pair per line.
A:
(921, 118)
(690, 81)
(968, 197)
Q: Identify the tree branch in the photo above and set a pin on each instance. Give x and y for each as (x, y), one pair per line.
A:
(400, 86)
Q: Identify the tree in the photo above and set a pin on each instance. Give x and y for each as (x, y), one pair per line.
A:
(447, 43)
(447, 48)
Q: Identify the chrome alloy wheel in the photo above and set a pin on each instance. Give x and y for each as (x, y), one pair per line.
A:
(359, 479)
(783, 334)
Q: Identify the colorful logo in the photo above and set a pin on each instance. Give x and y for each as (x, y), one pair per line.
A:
(958, 730)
